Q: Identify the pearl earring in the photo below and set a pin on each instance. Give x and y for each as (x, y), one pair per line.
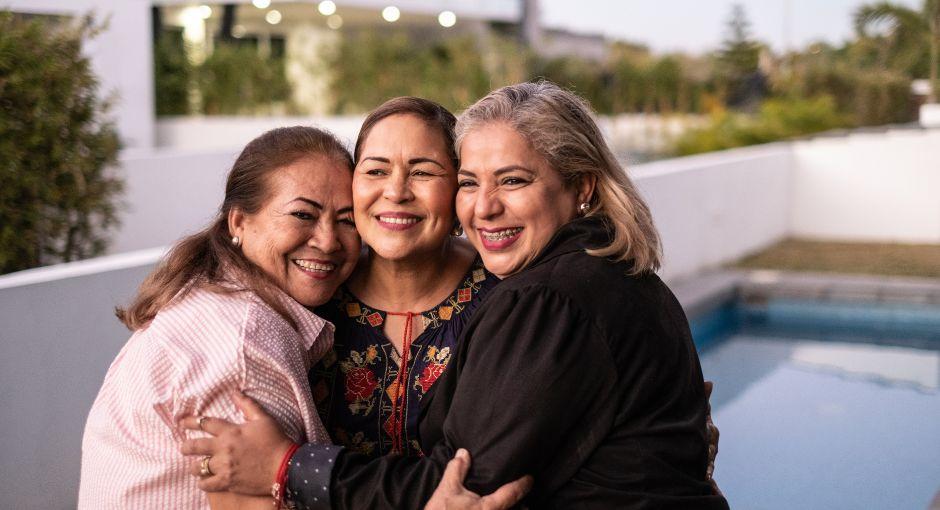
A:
(583, 208)
(236, 241)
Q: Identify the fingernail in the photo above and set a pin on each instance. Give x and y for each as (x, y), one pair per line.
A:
(462, 454)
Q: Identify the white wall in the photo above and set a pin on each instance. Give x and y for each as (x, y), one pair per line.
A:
(121, 56)
(168, 193)
(881, 187)
(714, 208)
(58, 335)
(232, 132)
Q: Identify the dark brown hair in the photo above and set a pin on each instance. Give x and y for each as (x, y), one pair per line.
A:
(434, 114)
(209, 258)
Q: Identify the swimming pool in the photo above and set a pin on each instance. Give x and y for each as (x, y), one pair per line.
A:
(824, 404)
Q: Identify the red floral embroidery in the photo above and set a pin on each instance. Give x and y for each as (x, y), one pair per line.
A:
(374, 319)
(360, 383)
(430, 375)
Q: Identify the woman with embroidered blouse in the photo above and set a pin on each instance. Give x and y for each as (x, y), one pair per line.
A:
(225, 311)
(578, 368)
(398, 317)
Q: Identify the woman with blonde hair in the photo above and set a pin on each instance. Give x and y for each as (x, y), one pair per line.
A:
(578, 368)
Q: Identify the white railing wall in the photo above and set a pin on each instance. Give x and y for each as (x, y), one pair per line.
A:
(881, 187)
(715, 208)
(58, 335)
(229, 132)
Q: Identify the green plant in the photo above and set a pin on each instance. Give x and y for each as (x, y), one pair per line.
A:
(909, 42)
(368, 68)
(172, 73)
(777, 119)
(236, 79)
(57, 149)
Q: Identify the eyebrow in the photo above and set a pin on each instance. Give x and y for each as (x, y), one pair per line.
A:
(412, 161)
(314, 203)
(498, 171)
(415, 161)
(319, 206)
(375, 158)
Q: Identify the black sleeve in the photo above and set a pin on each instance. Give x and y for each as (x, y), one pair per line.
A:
(530, 372)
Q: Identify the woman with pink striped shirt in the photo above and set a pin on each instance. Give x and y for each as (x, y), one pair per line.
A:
(225, 311)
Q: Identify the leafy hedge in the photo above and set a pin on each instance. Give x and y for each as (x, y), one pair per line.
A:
(777, 119)
(58, 196)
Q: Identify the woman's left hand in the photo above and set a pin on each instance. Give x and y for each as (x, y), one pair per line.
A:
(243, 458)
(452, 495)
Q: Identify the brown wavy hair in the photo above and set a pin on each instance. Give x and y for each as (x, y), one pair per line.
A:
(208, 258)
(559, 126)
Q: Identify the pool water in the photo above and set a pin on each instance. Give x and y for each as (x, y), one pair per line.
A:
(818, 412)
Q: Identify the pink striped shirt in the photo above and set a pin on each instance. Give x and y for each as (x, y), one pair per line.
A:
(187, 362)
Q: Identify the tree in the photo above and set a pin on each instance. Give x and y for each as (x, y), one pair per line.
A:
(738, 59)
(57, 149)
(904, 34)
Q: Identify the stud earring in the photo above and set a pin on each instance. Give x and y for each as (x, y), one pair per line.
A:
(236, 241)
(583, 208)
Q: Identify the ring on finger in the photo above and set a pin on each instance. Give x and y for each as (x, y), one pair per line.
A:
(204, 467)
(199, 421)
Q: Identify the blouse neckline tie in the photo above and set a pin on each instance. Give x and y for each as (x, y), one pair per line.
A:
(400, 402)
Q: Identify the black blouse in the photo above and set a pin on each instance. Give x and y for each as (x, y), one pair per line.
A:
(572, 371)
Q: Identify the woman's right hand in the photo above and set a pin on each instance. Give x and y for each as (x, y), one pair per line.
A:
(452, 495)
(243, 458)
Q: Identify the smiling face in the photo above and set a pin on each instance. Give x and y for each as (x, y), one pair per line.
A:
(510, 200)
(304, 236)
(403, 188)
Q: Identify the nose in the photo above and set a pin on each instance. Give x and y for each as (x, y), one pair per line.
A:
(488, 204)
(397, 188)
(325, 237)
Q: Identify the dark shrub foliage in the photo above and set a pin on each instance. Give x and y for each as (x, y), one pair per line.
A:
(57, 150)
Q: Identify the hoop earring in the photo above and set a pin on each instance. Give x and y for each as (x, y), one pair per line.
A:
(458, 229)
(583, 208)
(236, 241)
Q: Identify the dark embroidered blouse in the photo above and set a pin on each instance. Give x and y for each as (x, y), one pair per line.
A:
(355, 385)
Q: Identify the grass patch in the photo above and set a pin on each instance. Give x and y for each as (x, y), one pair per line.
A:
(840, 257)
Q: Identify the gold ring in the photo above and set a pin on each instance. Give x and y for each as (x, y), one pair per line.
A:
(199, 421)
(204, 467)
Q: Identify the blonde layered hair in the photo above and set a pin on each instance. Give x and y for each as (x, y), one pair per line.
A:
(558, 125)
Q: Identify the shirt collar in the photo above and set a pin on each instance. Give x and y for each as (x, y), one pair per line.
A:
(579, 234)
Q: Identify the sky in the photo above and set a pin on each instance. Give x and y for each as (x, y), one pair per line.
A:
(698, 26)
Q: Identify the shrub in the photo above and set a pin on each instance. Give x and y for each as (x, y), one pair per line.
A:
(368, 68)
(171, 75)
(236, 79)
(57, 195)
(777, 119)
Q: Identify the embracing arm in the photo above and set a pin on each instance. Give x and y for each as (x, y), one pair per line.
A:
(528, 374)
(530, 370)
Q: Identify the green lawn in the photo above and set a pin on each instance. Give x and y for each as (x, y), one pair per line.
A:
(840, 257)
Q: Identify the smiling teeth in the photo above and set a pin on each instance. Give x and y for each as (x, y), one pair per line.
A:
(398, 221)
(502, 234)
(314, 266)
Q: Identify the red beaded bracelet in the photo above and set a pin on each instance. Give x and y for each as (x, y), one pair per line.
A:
(277, 490)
